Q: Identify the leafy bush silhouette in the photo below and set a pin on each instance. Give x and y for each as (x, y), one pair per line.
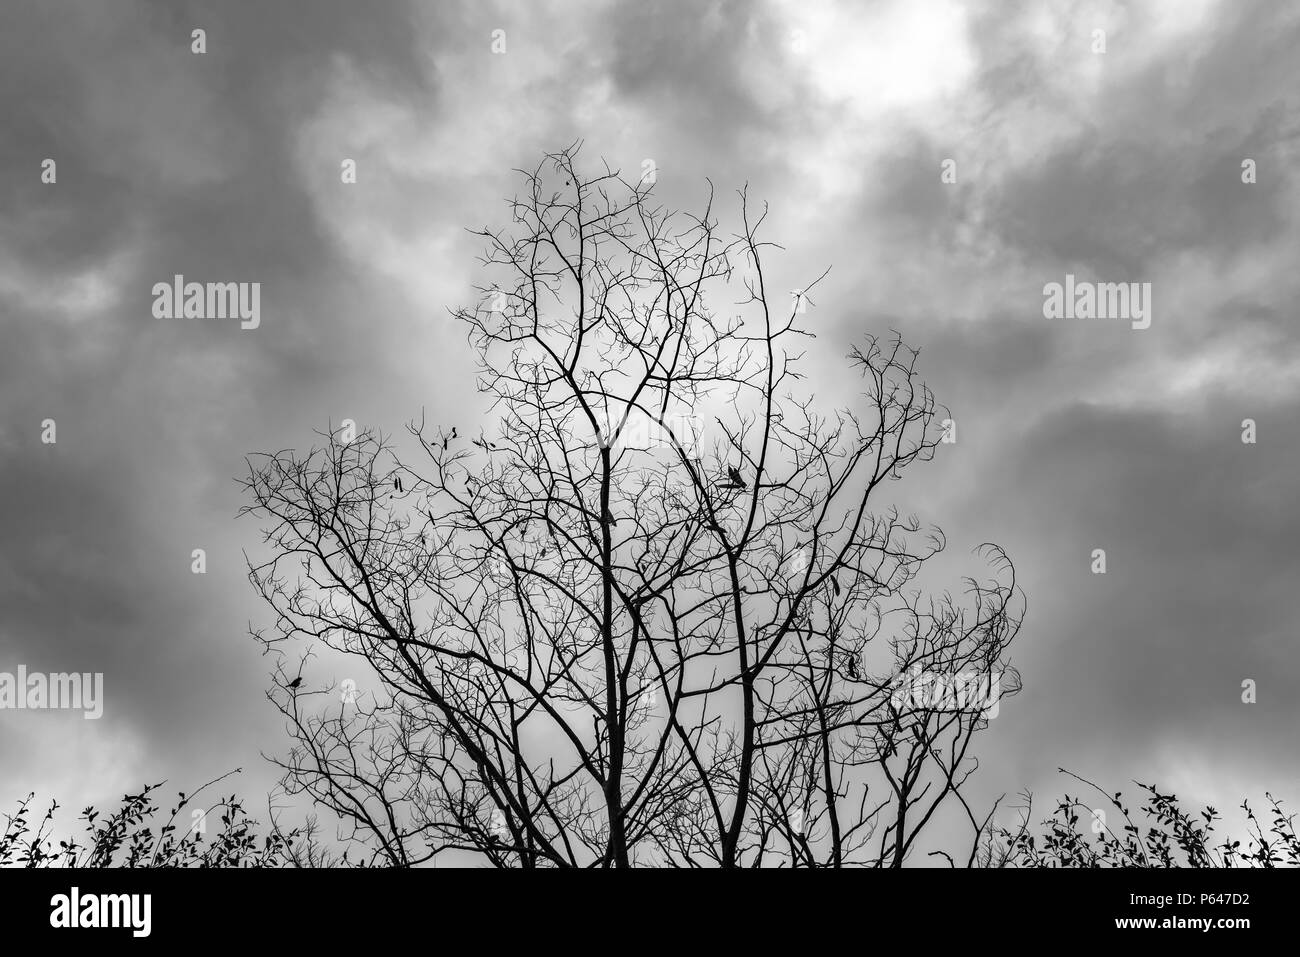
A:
(1172, 836)
(126, 837)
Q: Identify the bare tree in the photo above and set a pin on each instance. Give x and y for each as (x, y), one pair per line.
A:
(651, 611)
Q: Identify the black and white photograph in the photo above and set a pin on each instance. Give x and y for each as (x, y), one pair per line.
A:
(440, 435)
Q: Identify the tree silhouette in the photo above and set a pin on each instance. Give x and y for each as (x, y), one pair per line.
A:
(653, 613)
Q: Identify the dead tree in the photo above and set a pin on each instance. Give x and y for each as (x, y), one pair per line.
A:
(649, 612)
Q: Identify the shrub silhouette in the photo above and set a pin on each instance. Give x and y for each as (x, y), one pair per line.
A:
(1172, 838)
(1076, 835)
(126, 837)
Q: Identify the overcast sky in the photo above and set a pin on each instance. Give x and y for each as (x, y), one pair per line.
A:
(1073, 435)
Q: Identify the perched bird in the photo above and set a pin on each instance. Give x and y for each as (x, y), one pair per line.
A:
(734, 475)
(444, 444)
(453, 431)
(853, 667)
(397, 483)
(295, 682)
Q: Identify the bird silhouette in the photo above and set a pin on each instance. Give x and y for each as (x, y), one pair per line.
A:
(295, 682)
(734, 475)
(397, 483)
(453, 431)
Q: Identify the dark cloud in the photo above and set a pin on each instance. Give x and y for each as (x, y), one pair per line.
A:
(1072, 436)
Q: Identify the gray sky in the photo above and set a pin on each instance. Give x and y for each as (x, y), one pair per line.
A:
(1121, 166)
